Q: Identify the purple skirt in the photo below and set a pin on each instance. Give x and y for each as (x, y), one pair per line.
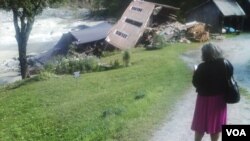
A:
(210, 114)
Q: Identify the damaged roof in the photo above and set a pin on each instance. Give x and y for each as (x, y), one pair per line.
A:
(91, 34)
(229, 7)
(131, 26)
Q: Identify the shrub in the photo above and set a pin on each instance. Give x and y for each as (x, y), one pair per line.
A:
(72, 64)
(157, 43)
(72, 49)
(45, 75)
(115, 64)
(139, 95)
(49, 67)
(109, 53)
(126, 58)
(84, 64)
(91, 63)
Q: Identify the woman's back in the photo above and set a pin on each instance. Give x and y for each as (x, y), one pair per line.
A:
(210, 77)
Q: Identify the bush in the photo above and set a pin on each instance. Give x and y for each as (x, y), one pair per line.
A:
(157, 43)
(126, 58)
(45, 75)
(84, 64)
(109, 53)
(91, 63)
(115, 64)
(72, 64)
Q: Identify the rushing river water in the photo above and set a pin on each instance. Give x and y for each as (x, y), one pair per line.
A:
(47, 30)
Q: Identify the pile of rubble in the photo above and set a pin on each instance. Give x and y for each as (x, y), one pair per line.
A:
(178, 32)
(172, 32)
(197, 31)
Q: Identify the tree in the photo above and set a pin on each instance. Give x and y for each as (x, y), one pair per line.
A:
(24, 12)
(126, 58)
(116, 7)
(113, 7)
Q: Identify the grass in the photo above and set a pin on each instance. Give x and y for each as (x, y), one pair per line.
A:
(230, 35)
(233, 35)
(124, 104)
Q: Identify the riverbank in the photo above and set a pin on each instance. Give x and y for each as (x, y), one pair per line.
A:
(47, 30)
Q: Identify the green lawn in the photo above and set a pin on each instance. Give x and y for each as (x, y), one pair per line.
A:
(125, 104)
(230, 35)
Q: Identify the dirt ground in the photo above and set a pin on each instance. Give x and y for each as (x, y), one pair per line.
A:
(177, 125)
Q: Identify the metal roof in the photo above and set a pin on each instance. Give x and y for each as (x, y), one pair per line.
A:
(92, 34)
(229, 7)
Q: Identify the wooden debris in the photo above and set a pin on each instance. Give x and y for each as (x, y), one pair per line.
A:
(198, 32)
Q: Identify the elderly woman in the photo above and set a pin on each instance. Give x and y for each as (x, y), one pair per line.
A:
(209, 79)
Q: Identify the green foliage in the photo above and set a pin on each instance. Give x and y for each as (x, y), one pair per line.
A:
(84, 64)
(112, 112)
(228, 35)
(24, 12)
(140, 95)
(30, 7)
(115, 64)
(112, 65)
(72, 49)
(113, 7)
(20, 83)
(49, 67)
(68, 3)
(126, 58)
(158, 42)
(109, 53)
(45, 75)
(184, 5)
(117, 7)
(71, 64)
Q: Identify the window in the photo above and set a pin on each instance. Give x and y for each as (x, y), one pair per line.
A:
(133, 22)
(136, 9)
(121, 34)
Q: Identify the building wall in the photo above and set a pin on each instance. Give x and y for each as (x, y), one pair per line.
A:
(246, 7)
(209, 14)
(129, 29)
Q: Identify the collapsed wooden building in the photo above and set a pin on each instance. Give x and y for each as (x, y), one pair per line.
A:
(138, 16)
(84, 40)
(88, 40)
(91, 38)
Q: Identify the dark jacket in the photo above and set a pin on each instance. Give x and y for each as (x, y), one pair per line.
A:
(210, 77)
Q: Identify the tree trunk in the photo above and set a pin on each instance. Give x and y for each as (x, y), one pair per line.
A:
(22, 48)
(22, 36)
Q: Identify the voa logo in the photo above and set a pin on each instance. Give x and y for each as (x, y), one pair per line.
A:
(236, 132)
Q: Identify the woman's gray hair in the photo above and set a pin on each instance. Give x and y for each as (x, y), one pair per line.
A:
(211, 52)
